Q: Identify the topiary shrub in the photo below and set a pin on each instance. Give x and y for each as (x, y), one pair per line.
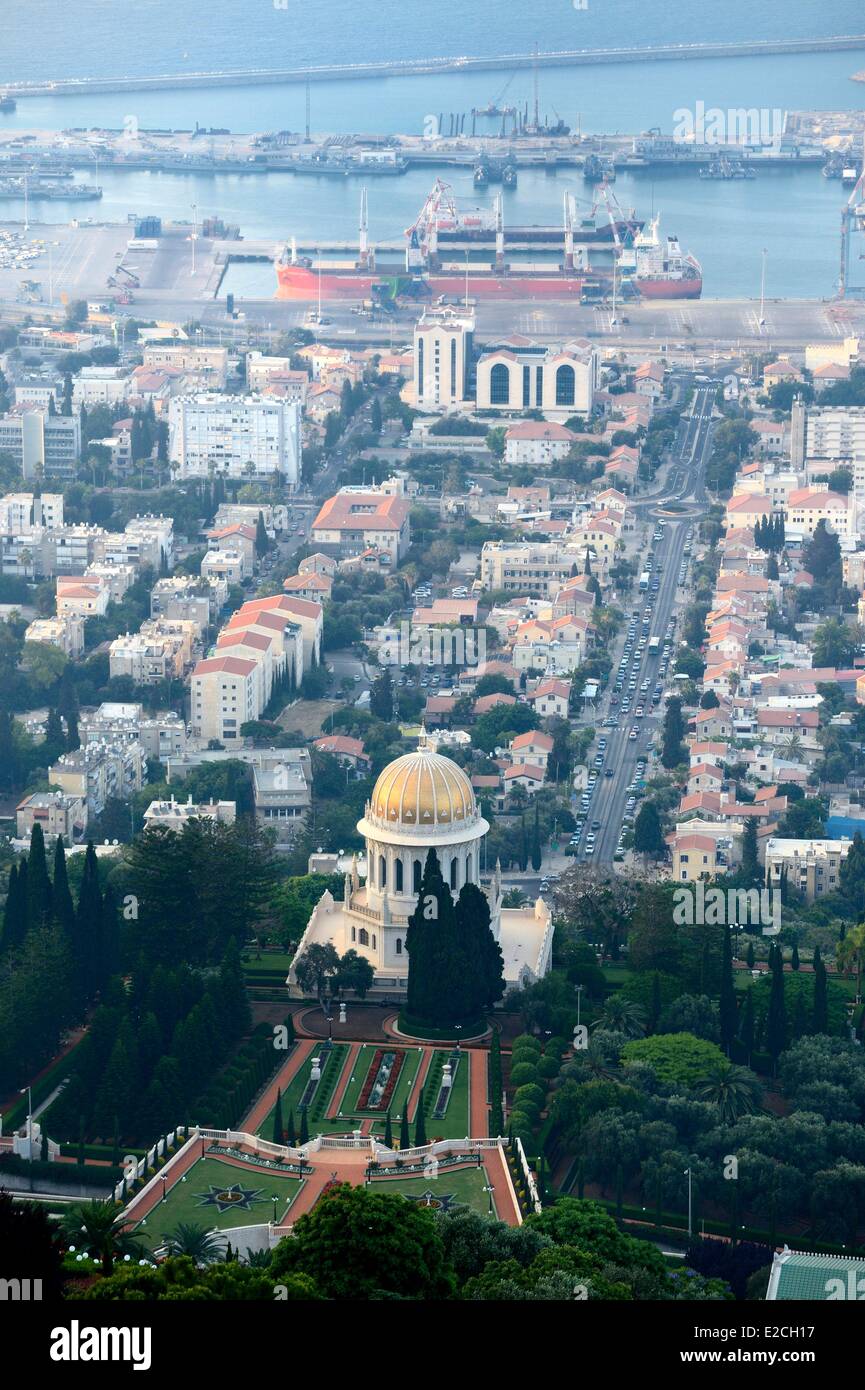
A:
(529, 1108)
(556, 1047)
(548, 1068)
(521, 1124)
(524, 1057)
(534, 1094)
(524, 1074)
(526, 1040)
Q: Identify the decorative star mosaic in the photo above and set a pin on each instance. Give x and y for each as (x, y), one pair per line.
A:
(438, 1201)
(234, 1198)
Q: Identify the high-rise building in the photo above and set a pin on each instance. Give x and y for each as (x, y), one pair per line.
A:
(235, 436)
(443, 341)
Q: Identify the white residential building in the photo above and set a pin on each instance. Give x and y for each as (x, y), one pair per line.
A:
(235, 437)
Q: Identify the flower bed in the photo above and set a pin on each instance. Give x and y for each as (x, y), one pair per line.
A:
(381, 1079)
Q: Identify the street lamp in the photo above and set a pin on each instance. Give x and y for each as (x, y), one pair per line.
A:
(165, 1189)
(29, 1110)
(689, 1176)
(489, 1190)
(274, 1200)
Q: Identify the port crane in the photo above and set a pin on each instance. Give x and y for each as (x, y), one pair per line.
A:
(853, 234)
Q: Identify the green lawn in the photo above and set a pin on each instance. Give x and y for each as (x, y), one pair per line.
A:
(464, 1186)
(206, 1179)
(292, 1096)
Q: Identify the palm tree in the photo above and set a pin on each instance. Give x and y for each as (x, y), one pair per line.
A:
(735, 1091)
(622, 1016)
(101, 1227)
(791, 746)
(594, 1059)
(850, 955)
(203, 1246)
(259, 1259)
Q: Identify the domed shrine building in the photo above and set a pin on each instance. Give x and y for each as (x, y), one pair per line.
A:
(422, 800)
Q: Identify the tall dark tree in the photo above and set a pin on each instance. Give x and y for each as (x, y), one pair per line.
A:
(278, 1133)
(88, 928)
(388, 1131)
(486, 963)
(420, 1120)
(38, 882)
(262, 540)
(64, 908)
(673, 751)
(727, 1001)
(747, 1031)
(15, 912)
(820, 1015)
(750, 870)
(776, 1019)
(536, 841)
(404, 1136)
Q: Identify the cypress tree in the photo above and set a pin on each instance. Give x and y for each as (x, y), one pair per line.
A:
(524, 845)
(776, 1022)
(420, 1121)
(750, 957)
(536, 841)
(88, 923)
(278, 1135)
(747, 1035)
(404, 1136)
(820, 1017)
(15, 913)
(794, 959)
(727, 1001)
(64, 908)
(109, 938)
(290, 1133)
(38, 882)
(304, 1127)
(388, 1132)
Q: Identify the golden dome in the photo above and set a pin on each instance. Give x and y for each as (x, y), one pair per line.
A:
(423, 788)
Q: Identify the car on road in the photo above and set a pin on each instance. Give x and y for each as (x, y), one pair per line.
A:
(609, 772)
(633, 734)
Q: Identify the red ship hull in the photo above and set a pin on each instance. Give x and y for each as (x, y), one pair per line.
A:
(670, 289)
(300, 282)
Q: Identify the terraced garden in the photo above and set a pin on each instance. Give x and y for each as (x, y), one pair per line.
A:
(218, 1194)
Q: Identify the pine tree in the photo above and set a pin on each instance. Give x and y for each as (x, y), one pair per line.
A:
(278, 1135)
(727, 1002)
(420, 1121)
(820, 1015)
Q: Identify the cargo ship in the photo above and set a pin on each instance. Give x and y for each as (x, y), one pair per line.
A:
(473, 256)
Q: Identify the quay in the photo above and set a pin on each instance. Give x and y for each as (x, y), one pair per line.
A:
(414, 67)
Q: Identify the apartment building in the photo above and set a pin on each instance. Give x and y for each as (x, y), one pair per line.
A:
(98, 772)
(42, 445)
(57, 813)
(235, 436)
(812, 867)
(225, 695)
(174, 815)
(203, 367)
(162, 735)
(187, 598)
(161, 650)
(67, 633)
(525, 567)
(21, 511)
(84, 598)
